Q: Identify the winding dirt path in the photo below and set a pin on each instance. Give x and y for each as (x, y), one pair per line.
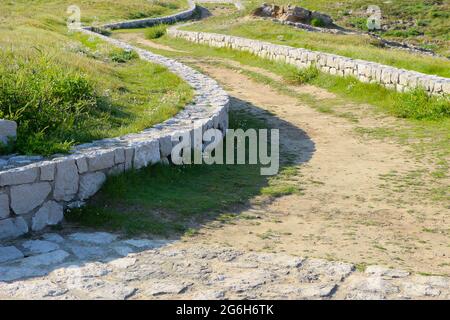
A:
(343, 213)
(350, 208)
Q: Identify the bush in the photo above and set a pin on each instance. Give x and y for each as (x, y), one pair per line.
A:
(317, 22)
(122, 56)
(417, 104)
(305, 75)
(155, 32)
(47, 101)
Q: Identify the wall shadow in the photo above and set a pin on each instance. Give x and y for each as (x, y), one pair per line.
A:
(168, 201)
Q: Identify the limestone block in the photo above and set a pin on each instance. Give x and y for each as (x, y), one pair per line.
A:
(165, 146)
(90, 183)
(119, 155)
(47, 171)
(82, 165)
(26, 197)
(4, 206)
(21, 175)
(12, 227)
(10, 253)
(129, 156)
(146, 153)
(66, 180)
(51, 213)
(101, 160)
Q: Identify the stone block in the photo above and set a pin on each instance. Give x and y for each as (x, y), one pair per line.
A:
(21, 175)
(119, 155)
(26, 197)
(13, 228)
(66, 180)
(90, 183)
(101, 160)
(165, 146)
(146, 153)
(10, 253)
(129, 158)
(4, 206)
(51, 213)
(82, 165)
(47, 171)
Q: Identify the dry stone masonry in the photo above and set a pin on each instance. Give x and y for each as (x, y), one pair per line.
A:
(365, 71)
(147, 22)
(35, 191)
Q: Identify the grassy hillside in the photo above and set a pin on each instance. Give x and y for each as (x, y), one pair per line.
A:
(360, 47)
(63, 88)
(422, 22)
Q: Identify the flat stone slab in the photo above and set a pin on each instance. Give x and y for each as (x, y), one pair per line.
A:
(9, 254)
(45, 259)
(85, 252)
(95, 237)
(39, 246)
(145, 243)
(53, 237)
(10, 273)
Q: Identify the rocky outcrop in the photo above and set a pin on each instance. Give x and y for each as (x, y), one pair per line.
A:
(294, 14)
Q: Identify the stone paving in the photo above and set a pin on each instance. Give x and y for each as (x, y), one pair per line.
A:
(102, 265)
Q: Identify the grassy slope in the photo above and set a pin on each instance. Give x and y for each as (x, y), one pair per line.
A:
(167, 200)
(421, 22)
(427, 137)
(172, 200)
(124, 103)
(351, 46)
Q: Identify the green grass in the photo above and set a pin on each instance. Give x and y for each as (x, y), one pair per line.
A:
(353, 46)
(165, 200)
(426, 137)
(155, 32)
(412, 105)
(65, 88)
(421, 22)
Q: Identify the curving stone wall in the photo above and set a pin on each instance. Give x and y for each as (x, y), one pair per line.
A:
(35, 195)
(147, 22)
(390, 77)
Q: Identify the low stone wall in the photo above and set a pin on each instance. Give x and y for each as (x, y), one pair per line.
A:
(34, 196)
(147, 22)
(390, 77)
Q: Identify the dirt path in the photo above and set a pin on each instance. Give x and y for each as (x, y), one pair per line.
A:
(350, 208)
(344, 212)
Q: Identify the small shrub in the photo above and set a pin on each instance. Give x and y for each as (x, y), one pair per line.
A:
(122, 56)
(358, 23)
(305, 75)
(417, 104)
(155, 32)
(317, 22)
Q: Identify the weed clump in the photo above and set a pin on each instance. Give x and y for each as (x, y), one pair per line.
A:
(305, 75)
(122, 56)
(155, 32)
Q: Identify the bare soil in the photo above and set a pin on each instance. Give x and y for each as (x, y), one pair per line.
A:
(344, 213)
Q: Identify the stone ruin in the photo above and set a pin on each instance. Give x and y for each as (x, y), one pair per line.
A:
(292, 14)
